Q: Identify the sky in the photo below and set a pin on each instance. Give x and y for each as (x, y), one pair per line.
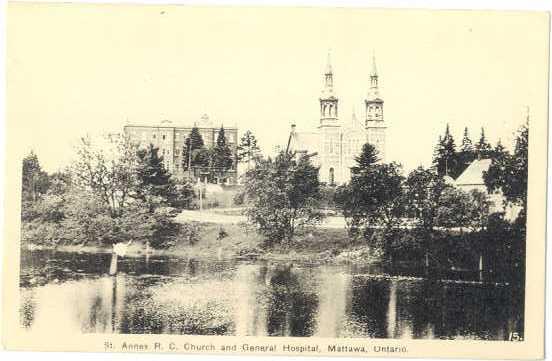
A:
(78, 69)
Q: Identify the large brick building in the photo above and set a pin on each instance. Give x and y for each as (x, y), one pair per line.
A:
(170, 139)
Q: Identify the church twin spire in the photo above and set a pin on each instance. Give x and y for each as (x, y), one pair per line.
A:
(329, 101)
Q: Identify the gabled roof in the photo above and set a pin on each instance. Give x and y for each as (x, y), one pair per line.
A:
(303, 142)
(473, 175)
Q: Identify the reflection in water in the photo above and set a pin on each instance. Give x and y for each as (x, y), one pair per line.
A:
(291, 305)
(335, 302)
(187, 296)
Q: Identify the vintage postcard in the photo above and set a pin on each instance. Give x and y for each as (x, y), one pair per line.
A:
(283, 181)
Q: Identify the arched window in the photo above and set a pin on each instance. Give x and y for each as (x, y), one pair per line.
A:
(332, 176)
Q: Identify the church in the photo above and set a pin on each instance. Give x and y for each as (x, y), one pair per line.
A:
(334, 144)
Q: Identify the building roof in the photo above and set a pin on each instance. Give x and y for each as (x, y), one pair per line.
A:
(473, 175)
(303, 142)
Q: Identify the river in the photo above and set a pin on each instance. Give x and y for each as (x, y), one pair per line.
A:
(169, 295)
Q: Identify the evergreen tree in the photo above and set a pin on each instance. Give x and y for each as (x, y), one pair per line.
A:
(467, 145)
(367, 158)
(34, 179)
(154, 184)
(194, 151)
(466, 154)
(222, 155)
(248, 150)
(483, 149)
(499, 150)
(445, 158)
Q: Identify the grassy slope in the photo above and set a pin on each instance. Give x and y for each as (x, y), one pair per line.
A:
(320, 244)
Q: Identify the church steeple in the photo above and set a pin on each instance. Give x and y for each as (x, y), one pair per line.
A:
(374, 123)
(374, 103)
(328, 100)
(328, 83)
(373, 92)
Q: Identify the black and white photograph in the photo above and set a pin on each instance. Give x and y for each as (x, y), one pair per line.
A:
(308, 173)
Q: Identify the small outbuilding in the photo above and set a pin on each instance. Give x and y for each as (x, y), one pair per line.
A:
(472, 179)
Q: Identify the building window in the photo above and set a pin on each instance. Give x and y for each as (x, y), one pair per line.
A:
(154, 136)
(332, 176)
(163, 136)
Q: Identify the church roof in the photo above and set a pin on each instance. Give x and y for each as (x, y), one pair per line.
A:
(473, 175)
(303, 142)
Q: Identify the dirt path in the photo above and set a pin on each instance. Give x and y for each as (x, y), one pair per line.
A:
(208, 216)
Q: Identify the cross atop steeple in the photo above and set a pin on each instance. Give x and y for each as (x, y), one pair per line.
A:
(328, 75)
(374, 76)
(328, 99)
(329, 63)
(374, 69)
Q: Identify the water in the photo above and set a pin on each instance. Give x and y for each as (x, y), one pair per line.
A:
(186, 296)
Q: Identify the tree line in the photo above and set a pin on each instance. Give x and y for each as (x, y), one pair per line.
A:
(115, 190)
(219, 159)
(448, 159)
(397, 214)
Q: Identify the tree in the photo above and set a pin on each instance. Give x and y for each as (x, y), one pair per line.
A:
(445, 158)
(373, 198)
(366, 159)
(222, 155)
(483, 149)
(508, 173)
(466, 155)
(284, 195)
(248, 150)
(423, 191)
(154, 185)
(34, 179)
(467, 145)
(106, 167)
(453, 208)
(194, 152)
(479, 207)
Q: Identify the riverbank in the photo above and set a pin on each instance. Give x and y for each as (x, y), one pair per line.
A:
(241, 242)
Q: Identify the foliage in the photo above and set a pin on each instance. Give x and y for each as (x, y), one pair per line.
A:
(327, 197)
(154, 185)
(368, 157)
(248, 150)
(451, 209)
(483, 149)
(284, 195)
(508, 173)
(466, 155)
(423, 190)
(106, 168)
(374, 196)
(445, 158)
(478, 210)
(221, 155)
(194, 152)
(34, 179)
(113, 192)
(182, 195)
